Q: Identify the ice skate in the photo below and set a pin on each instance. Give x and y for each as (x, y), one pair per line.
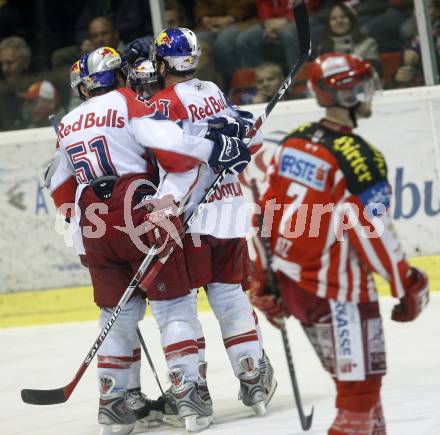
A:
(114, 416)
(252, 389)
(203, 385)
(146, 410)
(196, 413)
(166, 410)
(267, 376)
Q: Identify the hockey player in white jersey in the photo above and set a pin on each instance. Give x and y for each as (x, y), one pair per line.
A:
(102, 147)
(142, 78)
(216, 250)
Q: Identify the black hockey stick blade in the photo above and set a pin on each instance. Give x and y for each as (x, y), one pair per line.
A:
(43, 397)
(306, 421)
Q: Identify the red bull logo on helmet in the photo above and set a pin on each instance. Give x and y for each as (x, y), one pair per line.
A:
(75, 67)
(164, 39)
(108, 51)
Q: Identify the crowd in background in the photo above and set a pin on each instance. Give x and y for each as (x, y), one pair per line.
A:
(247, 45)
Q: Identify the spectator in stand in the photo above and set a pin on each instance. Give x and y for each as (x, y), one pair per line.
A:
(269, 77)
(15, 58)
(394, 28)
(411, 71)
(175, 14)
(15, 61)
(101, 32)
(276, 34)
(343, 35)
(131, 18)
(365, 10)
(40, 100)
(219, 23)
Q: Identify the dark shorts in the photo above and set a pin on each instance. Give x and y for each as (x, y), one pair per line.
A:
(216, 260)
(113, 258)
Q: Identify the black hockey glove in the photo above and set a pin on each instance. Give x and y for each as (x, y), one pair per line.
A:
(139, 47)
(228, 152)
(232, 127)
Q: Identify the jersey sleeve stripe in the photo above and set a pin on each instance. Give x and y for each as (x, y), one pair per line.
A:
(174, 162)
(65, 194)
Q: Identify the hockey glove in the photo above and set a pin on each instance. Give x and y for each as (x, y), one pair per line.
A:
(232, 127)
(139, 47)
(228, 153)
(415, 300)
(270, 305)
(163, 225)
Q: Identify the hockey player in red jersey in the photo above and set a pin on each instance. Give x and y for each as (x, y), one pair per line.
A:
(216, 250)
(102, 147)
(329, 197)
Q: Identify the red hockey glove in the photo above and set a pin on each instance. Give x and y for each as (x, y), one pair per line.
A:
(271, 305)
(163, 225)
(415, 300)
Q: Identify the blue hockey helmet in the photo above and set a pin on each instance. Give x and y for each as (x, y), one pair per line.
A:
(179, 48)
(98, 68)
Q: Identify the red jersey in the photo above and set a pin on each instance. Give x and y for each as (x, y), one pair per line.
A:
(331, 228)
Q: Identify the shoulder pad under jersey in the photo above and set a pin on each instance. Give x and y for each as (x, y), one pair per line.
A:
(304, 131)
(363, 165)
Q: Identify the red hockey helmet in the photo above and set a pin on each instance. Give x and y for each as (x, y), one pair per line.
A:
(343, 80)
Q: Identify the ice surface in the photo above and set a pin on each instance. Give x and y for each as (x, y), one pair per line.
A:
(48, 356)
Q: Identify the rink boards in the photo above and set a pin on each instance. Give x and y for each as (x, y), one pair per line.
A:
(76, 304)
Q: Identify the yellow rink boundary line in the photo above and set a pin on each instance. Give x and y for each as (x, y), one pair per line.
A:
(75, 304)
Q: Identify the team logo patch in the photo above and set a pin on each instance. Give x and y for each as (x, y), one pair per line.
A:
(379, 193)
(304, 168)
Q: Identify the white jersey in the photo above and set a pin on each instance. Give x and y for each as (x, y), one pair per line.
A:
(110, 134)
(191, 103)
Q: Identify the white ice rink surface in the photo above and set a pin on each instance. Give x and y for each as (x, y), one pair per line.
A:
(47, 357)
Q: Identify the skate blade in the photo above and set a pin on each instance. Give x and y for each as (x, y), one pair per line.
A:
(173, 420)
(195, 423)
(271, 392)
(116, 429)
(260, 408)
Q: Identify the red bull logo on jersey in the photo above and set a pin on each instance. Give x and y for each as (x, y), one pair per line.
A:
(304, 168)
(110, 119)
(211, 106)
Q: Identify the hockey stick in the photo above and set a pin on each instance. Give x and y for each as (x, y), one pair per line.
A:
(61, 395)
(53, 122)
(150, 361)
(306, 420)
